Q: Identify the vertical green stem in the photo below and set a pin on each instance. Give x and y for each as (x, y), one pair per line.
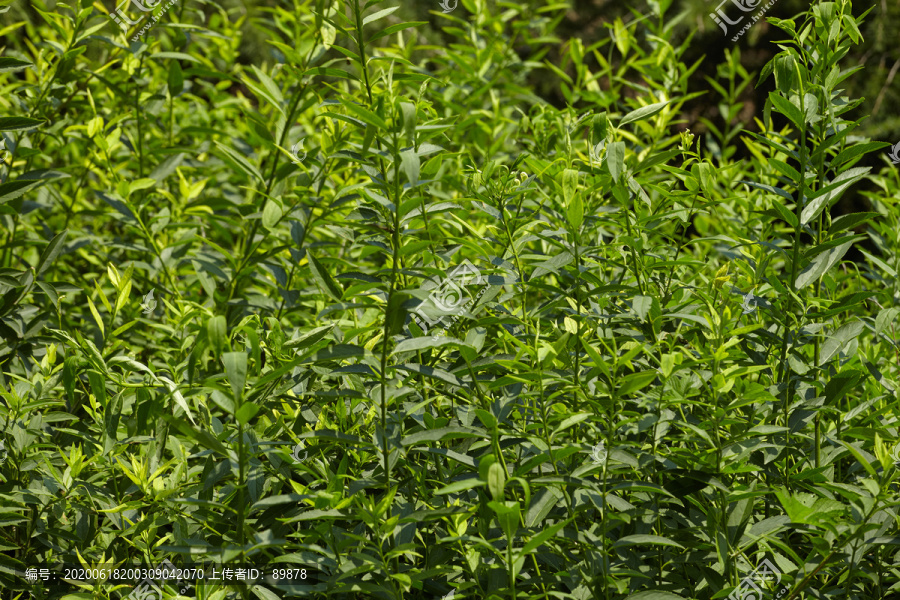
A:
(637, 273)
(784, 367)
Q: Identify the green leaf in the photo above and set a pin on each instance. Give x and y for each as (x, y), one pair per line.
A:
(784, 168)
(642, 306)
(636, 381)
(787, 108)
(820, 265)
(544, 500)
(18, 123)
(839, 339)
(222, 401)
(236, 370)
(263, 593)
(770, 189)
(484, 464)
(571, 198)
(542, 537)
(428, 341)
(216, 332)
(615, 158)
(845, 222)
(645, 112)
(313, 515)
(273, 91)
(460, 486)
(508, 515)
(329, 33)
(51, 251)
(338, 352)
(13, 189)
(379, 15)
(98, 387)
(409, 164)
(654, 595)
(202, 437)
(328, 72)
(600, 126)
(392, 29)
(496, 479)
(489, 420)
(885, 317)
(239, 163)
(831, 244)
(840, 384)
(271, 214)
(851, 152)
(324, 278)
(246, 412)
(436, 435)
(365, 115)
(337, 436)
(8, 63)
(811, 106)
(575, 212)
(140, 184)
(829, 194)
(96, 314)
(784, 73)
(410, 119)
(859, 457)
(645, 539)
(176, 78)
(622, 37)
(707, 177)
(176, 56)
(881, 264)
(176, 395)
(569, 421)
(787, 216)
(433, 373)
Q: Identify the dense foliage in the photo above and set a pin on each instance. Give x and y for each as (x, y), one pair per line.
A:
(370, 305)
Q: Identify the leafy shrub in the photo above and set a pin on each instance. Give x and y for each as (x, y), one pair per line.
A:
(374, 308)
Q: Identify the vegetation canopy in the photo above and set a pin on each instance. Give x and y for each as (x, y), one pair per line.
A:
(461, 300)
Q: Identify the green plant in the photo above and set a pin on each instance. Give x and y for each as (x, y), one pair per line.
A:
(469, 341)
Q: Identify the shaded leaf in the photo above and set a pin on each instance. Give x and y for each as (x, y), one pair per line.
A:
(645, 112)
(820, 265)
(18, 123)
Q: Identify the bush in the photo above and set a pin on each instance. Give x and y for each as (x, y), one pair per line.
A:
(364, 303)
